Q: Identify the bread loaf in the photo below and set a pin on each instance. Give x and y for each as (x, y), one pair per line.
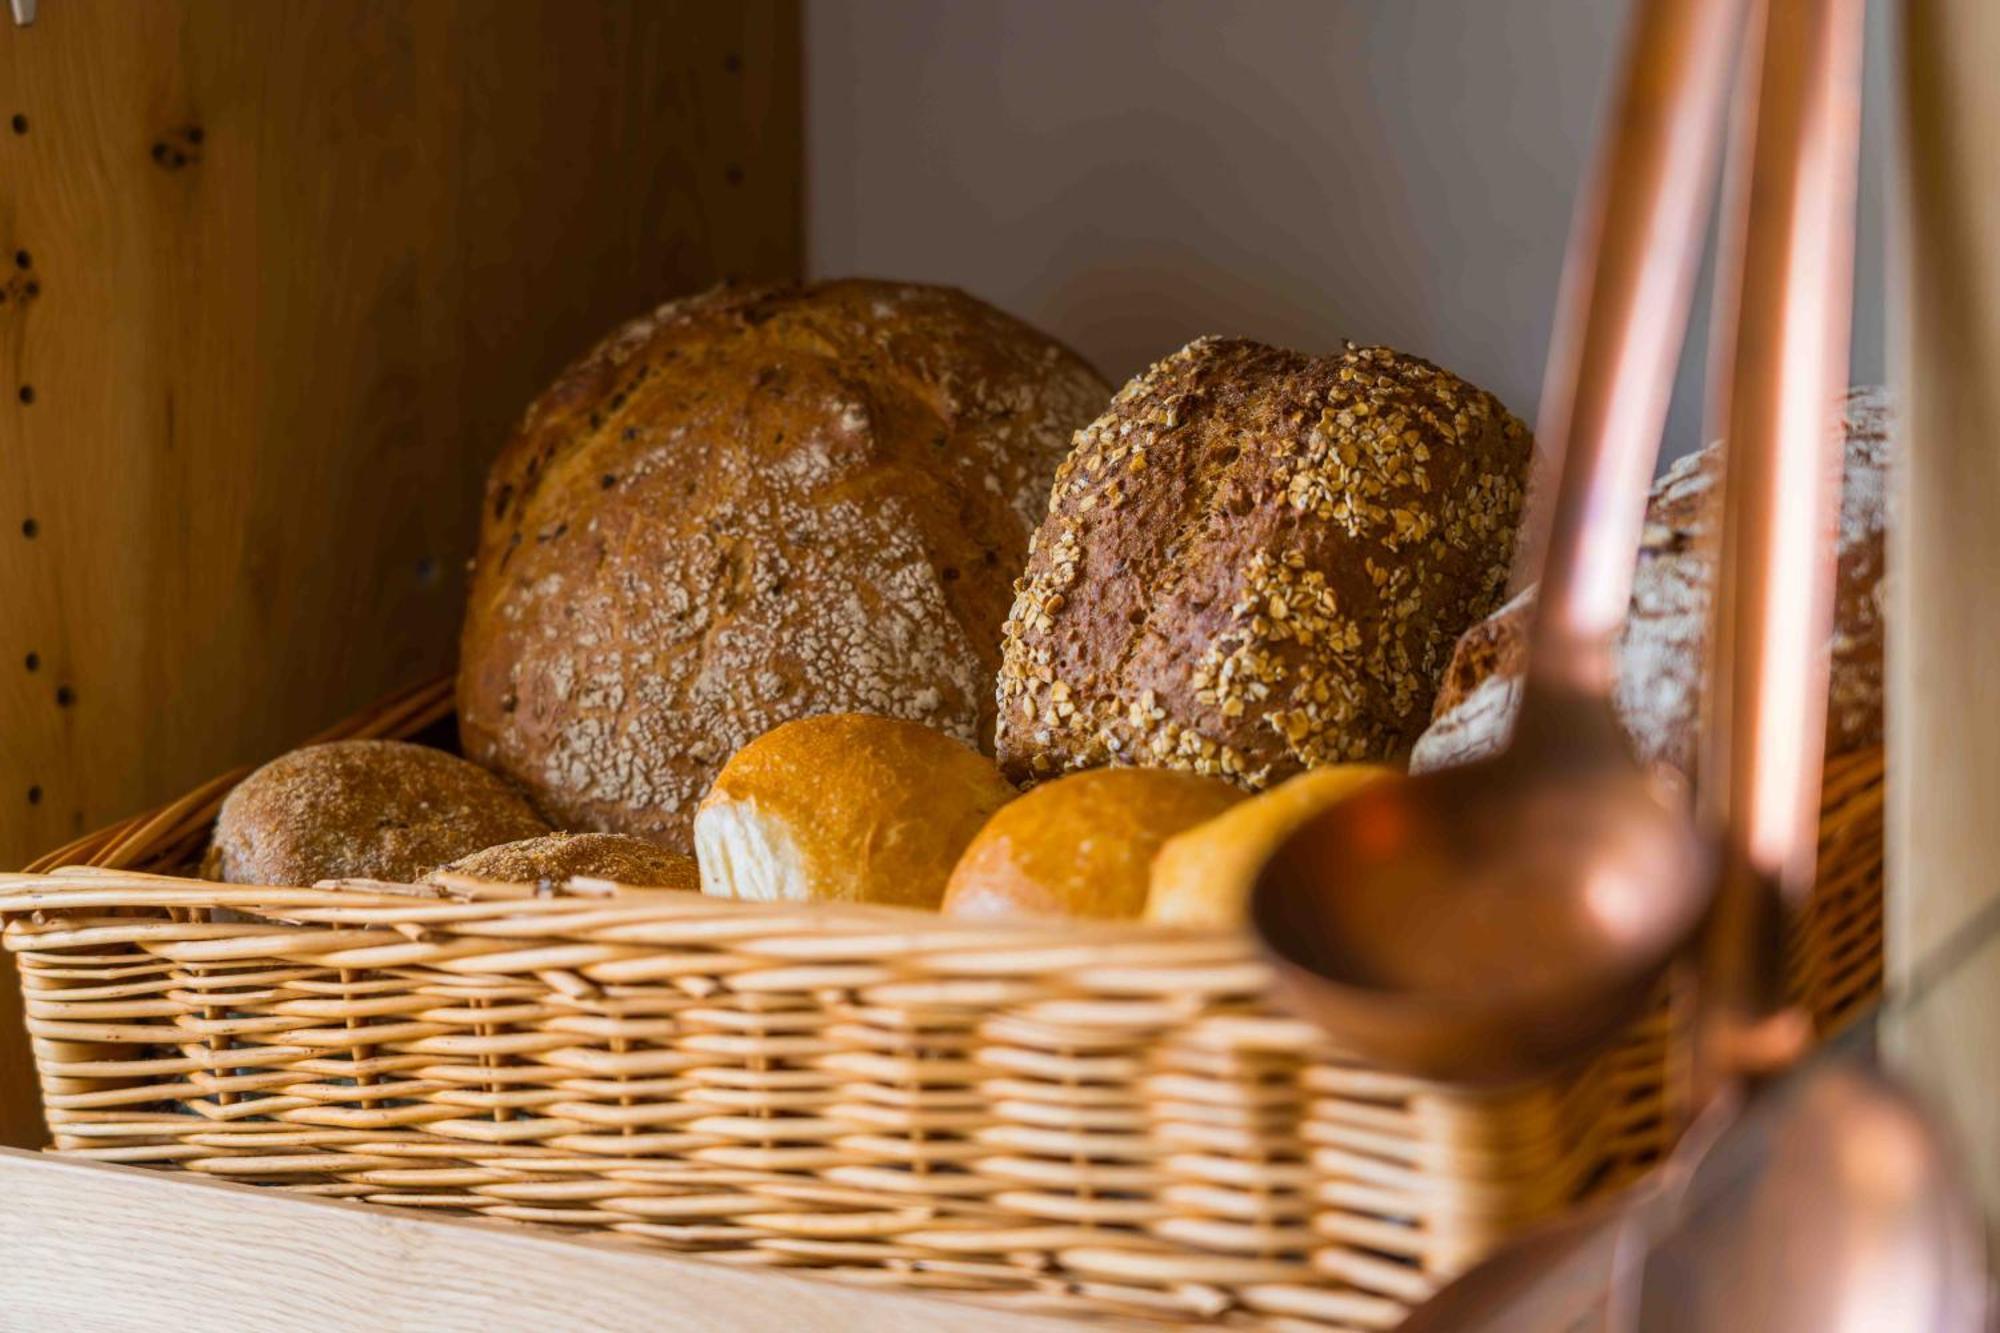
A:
(383, 810)
(1256, 562)
(752, 506)
(1664, 647)
(844, 808)
(1082, 845)
(556, 857)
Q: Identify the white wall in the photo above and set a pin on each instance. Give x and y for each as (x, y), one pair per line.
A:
(1132, 173)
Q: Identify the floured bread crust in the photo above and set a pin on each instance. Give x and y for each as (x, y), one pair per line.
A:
(748, 507)
(1662, 652)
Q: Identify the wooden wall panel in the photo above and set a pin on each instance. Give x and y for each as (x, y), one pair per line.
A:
(1944, 659)
(277, 279)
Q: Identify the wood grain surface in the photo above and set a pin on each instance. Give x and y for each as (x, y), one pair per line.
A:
(109, 1249)
(275, 281)
(1944, 660)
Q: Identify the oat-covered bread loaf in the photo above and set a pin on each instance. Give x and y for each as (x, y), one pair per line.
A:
(1664, 647)
(752, 506)
(1256, 562)
(556, 857)
(362, 810)
(844, 808)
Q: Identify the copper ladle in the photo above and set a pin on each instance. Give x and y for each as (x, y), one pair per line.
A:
(1830, 1200)
(1490, 922)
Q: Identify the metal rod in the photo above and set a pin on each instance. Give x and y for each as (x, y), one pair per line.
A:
(1621, 317)
(1781, 346)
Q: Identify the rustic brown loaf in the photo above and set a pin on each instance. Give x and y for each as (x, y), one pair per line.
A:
(362, 809)
(1665, 642)
(1082, 845)
(751, 506)
(1256, 562)
(846, 808)
(556, 857)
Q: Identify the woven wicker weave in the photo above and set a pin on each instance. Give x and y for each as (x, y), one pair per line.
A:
(1102, 1119)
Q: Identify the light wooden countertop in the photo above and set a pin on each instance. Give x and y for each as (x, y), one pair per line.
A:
(108, 1249)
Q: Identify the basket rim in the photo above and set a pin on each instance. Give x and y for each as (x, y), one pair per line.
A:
(29, 894)
(98, 869)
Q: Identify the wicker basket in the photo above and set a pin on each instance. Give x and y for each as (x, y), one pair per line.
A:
(1106, 1120)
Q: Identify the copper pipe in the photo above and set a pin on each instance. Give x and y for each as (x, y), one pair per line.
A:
(1781, 347)
(1621, 315)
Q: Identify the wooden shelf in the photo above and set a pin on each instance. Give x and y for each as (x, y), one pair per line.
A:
(112, 1248)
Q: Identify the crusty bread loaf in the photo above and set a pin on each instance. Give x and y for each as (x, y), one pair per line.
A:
(556, 857)
(844, 808)
(751, 506)
(1257, 562)
(1664, 647)
(1082, 845)
(383, 810)
(1202, 877)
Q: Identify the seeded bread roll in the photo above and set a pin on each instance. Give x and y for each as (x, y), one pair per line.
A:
(383, 810)
(556, 857)
(748, 507)
(1664, 647)
(1081, 845)
(1256, 562)
(845, 808)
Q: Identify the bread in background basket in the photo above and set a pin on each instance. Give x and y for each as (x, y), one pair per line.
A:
(1664, 649)
(1836, 953)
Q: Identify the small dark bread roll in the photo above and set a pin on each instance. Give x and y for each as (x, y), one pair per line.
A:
(750, 507)
(1257, 562)
(383, 810)
(557, 857)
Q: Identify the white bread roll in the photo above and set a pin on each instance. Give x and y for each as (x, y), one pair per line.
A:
(844, 808)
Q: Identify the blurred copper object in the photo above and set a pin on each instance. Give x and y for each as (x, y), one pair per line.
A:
(1494, 921)
(1835, 1207)
(1784, 286)
(1829, 1204)
(1830, 1201)
(1838, 1204)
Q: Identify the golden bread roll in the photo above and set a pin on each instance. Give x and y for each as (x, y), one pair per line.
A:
(752, 506)
(556, 857)
(1081, 845)
(1202, 877)
(844, 808)
(384, 810)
